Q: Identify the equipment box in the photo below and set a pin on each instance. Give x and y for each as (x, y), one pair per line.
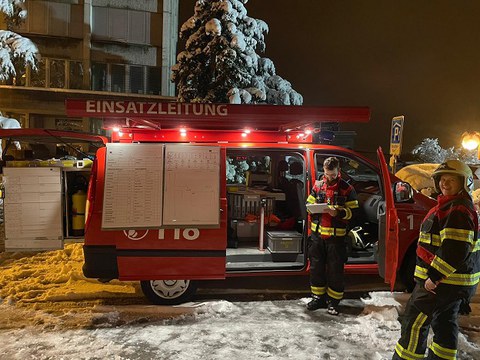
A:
(284, 242)
(241, 205)
(245, 230)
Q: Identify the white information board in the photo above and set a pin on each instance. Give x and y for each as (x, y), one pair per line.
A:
(133, 186)
(33, 208)
(192, 185)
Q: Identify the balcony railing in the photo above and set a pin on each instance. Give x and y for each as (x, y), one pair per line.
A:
(69, 74)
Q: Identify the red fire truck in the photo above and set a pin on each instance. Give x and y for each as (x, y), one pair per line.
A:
(218, 191)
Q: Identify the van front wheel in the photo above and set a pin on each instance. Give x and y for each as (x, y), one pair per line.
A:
(168, 292)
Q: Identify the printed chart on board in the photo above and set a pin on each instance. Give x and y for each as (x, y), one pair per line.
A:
(133, 186)
(192, 185)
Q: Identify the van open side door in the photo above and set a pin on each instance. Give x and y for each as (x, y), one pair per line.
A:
(388, 228)
(44, 175)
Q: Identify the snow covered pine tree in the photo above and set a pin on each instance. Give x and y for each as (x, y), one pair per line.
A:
(15, 50)
(220, 63)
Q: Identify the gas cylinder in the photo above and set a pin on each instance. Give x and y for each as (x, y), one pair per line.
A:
(79, 200)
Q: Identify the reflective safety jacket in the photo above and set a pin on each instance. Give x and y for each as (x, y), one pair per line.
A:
(448, 248)
(340, 196)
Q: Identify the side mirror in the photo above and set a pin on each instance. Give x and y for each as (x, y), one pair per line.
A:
(402, 192)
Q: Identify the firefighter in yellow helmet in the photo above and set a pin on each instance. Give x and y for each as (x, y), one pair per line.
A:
(447, 270)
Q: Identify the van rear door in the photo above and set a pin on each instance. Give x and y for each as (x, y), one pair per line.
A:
(388, 223)
(160, 209)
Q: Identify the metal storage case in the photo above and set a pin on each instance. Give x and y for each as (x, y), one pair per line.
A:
(284, 242)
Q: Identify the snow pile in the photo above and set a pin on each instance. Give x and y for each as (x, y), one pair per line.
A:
(381, 298)
(54, 276)
(379, 329)
(220, 63)
(216, 309)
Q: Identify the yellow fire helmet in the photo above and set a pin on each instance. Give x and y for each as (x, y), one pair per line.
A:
(455, 167)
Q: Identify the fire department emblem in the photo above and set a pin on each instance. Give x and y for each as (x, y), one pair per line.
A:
(135, 234)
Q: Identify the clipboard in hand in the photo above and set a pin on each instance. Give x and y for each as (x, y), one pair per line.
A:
(317, 208)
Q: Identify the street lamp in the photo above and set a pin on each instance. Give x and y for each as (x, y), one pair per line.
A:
(471, 141)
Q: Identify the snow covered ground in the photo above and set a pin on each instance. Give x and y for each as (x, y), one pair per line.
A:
(217, 329)
(49, 310)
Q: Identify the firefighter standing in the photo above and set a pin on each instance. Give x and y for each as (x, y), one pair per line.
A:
(447, 269)
(327, 249)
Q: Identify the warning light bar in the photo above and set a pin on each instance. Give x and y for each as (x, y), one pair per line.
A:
(203, 136)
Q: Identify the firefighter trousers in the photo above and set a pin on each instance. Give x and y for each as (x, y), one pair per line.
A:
(425, 310)
(327, 259)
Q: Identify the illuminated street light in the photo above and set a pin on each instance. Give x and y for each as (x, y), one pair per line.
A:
(471, 141)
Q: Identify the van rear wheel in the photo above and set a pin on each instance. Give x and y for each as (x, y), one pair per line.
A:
(168, 292)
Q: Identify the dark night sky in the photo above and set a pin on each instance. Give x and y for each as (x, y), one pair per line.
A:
(415, 58)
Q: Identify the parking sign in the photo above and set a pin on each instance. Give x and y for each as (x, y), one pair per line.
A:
(396, 135)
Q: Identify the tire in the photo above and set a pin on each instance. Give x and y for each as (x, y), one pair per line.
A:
(408, 269)
(169, 292)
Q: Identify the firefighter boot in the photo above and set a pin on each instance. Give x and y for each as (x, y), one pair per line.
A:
(317, 302)
(332, 306)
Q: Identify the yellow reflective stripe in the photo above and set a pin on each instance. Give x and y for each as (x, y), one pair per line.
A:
(458, 234)
(334, 294)
(407, 355)
(436, 240)
(353, 204)
(442, 352)
(331, 231)
(311, 199)
(317, 290)
(452, 279)
(442, 266)
(424, 238)
(462, 279)
(348, 214)
(420, 272)
(428, 238)
(477, 246)
(415, 332)
(327, 230)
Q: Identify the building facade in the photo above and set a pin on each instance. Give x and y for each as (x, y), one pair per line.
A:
(95, 49)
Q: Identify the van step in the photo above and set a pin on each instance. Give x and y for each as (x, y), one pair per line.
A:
(235, 266)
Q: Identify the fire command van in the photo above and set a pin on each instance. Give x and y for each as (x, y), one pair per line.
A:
(184, 193)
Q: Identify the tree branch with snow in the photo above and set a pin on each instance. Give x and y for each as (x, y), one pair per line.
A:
(430, 151)
(14, 48)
